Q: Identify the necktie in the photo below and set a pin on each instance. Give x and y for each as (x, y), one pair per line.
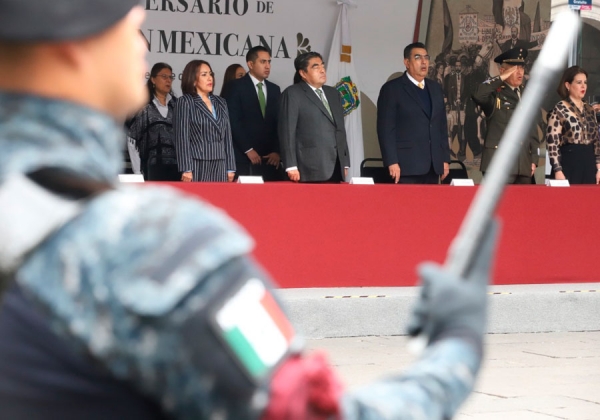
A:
(518, 92)
(261, 98)
(421, 85)
(320, 93)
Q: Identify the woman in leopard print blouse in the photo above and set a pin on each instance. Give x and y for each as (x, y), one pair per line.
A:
(572, 136)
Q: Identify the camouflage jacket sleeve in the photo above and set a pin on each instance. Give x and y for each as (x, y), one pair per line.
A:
(485, 95)
(127, 283)
(432, 389)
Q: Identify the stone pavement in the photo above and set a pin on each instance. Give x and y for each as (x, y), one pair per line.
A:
(534, 376)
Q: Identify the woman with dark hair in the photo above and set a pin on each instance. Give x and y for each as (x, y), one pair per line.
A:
(233, 72)
(202, 130)
(151, 130)
(572, 135)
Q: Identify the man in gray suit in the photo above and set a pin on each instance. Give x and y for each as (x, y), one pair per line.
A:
(311, 128)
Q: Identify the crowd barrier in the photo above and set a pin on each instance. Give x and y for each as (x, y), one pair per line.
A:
(321, 235)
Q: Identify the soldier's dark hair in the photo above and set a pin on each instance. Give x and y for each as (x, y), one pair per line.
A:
(301, 62)
(410, 47)
(568, 77)
(252, 54)
(190, 72)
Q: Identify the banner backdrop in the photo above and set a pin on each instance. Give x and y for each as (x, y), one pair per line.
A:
(222, 31)
(342, 75)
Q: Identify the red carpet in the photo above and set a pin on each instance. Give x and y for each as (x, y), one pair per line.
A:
(375, 235)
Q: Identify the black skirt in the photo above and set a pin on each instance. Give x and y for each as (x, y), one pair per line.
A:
(578, 162)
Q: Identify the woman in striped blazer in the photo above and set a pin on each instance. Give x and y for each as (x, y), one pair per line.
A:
(201, 127)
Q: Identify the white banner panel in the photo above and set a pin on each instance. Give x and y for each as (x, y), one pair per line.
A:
(222, 31)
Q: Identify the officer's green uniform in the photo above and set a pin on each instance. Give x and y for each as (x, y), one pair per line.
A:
(499, 101)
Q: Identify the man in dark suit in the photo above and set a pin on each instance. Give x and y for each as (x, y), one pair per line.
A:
(253, 104)
(515, 42)
(411, 123)
(312, 135)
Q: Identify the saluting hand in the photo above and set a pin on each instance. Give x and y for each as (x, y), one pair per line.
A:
(508, 73)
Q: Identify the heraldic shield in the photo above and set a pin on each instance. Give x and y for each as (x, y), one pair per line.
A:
(349, 92)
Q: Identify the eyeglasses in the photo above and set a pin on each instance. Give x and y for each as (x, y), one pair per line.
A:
(419, 57)
(166, 76)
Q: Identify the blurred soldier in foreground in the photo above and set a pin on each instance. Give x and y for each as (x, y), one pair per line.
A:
(140, 303)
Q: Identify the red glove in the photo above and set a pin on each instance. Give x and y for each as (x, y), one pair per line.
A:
(304, 389)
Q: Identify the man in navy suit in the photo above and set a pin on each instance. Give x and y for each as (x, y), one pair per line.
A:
(253, 104)
(411, 123)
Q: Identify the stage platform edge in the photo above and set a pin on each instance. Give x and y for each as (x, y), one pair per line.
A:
(384, 311)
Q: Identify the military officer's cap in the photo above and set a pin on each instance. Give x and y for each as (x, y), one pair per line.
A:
(59, 20)
(512, 56)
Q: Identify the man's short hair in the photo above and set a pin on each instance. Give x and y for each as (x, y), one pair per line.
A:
(252, 54)
(301, 62)
(411, 47)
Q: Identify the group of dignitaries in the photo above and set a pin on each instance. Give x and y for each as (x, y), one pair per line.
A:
(299, 135)
(146, 304)
(303, 126)
(254, 129)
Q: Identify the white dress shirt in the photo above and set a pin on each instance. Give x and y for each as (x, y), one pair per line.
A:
(412, 79)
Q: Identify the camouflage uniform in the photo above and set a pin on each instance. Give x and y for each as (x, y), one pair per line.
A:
(125, 283)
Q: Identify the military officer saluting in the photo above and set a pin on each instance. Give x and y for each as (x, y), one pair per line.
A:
(498, 97)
